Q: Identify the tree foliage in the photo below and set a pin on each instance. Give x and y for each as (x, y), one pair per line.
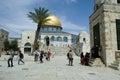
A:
(11, 45)
(39, 16)
(14, 45)
(6, 45)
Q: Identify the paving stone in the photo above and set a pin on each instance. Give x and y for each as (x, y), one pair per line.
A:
(56, 69)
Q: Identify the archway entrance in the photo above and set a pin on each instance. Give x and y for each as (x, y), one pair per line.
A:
(96, 33)
(118, 33)
(47, 41)
(27, 48)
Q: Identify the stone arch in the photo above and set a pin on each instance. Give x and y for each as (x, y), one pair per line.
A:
(47, 40)
(59, 39)
(65, 39)
(27, 48)
(52, 38)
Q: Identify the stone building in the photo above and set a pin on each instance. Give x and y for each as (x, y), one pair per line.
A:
(52, 31)
(84, 39)
(105, 29)
(3, 35)
(82, 43)
(27, 41)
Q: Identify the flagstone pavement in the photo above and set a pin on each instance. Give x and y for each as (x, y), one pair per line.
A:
(55, 69)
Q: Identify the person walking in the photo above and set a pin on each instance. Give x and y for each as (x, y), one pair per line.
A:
(70, 57)
(10, 59)
(36, 55)
(21, 56)
(41, 56)
(49, 55)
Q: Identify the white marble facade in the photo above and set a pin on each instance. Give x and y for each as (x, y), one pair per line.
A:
(60, 43)
(27, 40)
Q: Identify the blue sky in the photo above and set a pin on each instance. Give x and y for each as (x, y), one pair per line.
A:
(73, 14)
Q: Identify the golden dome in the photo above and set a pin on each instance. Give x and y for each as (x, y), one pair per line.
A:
(54, 21)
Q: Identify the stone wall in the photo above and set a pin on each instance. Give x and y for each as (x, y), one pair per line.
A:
(25, 39)
(3, 35)
(106, 16)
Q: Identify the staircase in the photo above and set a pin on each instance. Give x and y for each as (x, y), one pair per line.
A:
(58, 50)
(97, 62)
(115, 65)
(77, 48)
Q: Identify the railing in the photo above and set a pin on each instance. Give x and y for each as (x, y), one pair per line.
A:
(77, 48)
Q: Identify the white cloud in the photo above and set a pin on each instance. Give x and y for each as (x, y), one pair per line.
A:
(13, 14)
(71, 27)
(15, 30)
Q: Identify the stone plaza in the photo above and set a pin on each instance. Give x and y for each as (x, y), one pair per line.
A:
(104, 24)
(56, 69)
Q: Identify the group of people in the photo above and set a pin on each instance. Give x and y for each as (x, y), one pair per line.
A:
(10, 59)
(41, 55)
(37, 55)
(85, 59)
(94, 54)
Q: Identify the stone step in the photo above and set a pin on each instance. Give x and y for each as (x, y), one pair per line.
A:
(113, 67)
(95, 60)
(60, 50)
(96, 63)
(115, 64)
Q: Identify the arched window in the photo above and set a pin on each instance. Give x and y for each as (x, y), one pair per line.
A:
(47, 40)
(59, 39)
(28, 37)
(52, 38)
(65, 39)
(42, 28)
(84, 40)
(39, 37)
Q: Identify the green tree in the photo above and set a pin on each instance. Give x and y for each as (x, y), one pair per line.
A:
(14, 45)
(6, 45)
(40, 17)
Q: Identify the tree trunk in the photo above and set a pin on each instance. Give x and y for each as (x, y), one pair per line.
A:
(36, 37)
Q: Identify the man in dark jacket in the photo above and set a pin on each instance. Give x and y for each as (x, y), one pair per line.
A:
(21, 56)
(70, 57)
